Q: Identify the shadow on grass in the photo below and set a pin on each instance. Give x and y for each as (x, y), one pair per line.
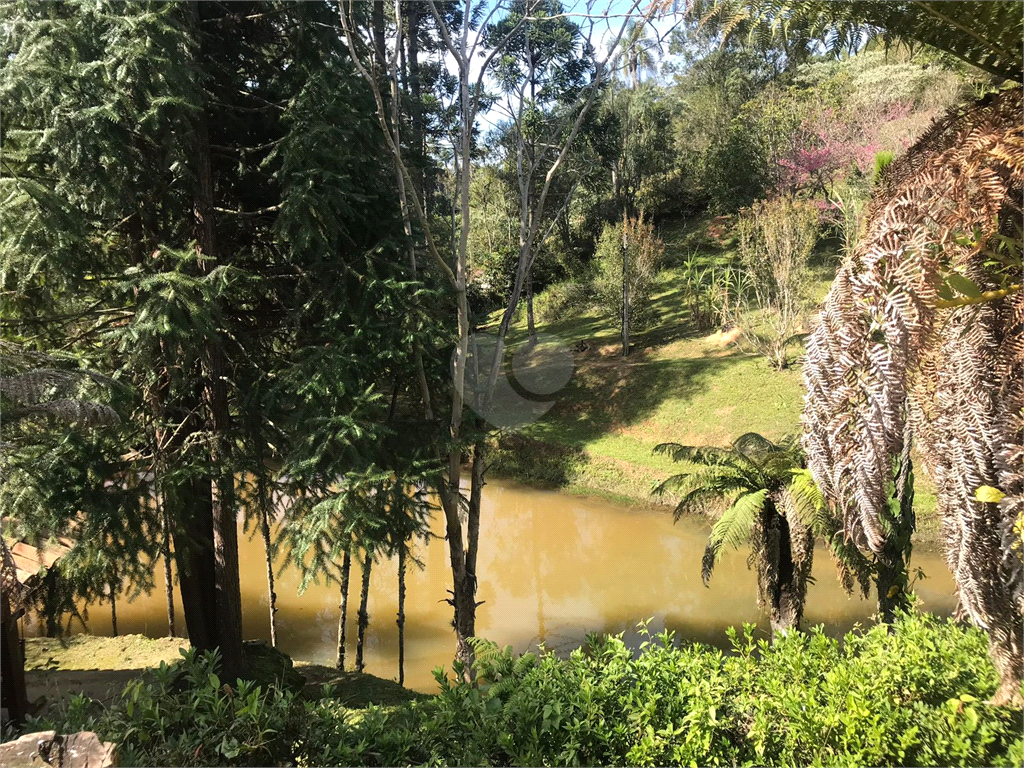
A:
(617, 394)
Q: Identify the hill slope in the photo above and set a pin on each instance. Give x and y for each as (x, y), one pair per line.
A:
(677, 385)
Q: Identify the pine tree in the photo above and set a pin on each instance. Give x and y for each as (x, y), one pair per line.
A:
(193, 202)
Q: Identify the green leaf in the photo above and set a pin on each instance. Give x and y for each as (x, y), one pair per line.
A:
(964, 285)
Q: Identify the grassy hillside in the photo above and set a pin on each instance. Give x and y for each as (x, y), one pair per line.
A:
(677, 385)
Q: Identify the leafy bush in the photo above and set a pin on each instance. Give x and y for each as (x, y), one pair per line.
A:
(910, 696)
(184, 715)
(776, 239)
(913, 696)
(561, 300)
(645, 251)
(712, 291)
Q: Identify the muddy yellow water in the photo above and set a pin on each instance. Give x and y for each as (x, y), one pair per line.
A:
(552, 568)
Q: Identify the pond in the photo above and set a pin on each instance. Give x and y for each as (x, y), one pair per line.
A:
(552, 568)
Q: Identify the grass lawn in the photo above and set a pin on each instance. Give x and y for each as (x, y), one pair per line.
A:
(677, 385)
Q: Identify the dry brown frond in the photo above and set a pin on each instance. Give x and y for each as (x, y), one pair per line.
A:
(885, 348)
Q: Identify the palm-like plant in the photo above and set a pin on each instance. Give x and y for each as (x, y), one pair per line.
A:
(759, 492)
(985, 33)
(923, 328)
(640, 50)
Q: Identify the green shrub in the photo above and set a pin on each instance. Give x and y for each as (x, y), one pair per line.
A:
(561, 300)
(645, 251)
(914, 695)
(184, 715)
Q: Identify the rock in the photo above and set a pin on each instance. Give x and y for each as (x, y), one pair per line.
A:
(85, 750)
(47, 748)
(268, 666)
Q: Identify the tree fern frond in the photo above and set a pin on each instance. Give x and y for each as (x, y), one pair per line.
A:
(753, 446)
(709, 560)
(69, 411)
(707, 455)
(733, 527)
(985, 33)
(808, 502)
(698, 501)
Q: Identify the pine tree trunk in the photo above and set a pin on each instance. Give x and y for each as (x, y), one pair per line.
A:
(364, 617)
(268, 551)
(193, 555)
(228, 618)
(401, 614)
(113, 610)
(379, 39)
(168, 575)
(346, 569)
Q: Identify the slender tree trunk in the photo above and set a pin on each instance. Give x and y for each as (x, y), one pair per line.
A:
(464, 590)
(346, 569)
(268, 550)
(364, 617)
(113, 609)
(13, 691)
(168, 575)
(463, 583)
(50, 605)
(530, 325)
(625, 285)
(565, 229)
(401, 614)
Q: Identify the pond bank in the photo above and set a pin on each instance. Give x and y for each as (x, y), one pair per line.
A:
(57, 669)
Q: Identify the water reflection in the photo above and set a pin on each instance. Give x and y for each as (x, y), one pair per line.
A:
(553, 567)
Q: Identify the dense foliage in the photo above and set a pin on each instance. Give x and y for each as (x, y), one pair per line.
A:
(263, 237)
(910, 696)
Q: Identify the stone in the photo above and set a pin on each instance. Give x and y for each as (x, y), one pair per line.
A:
(47, 748)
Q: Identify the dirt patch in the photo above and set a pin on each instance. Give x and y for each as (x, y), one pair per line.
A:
(723, 339)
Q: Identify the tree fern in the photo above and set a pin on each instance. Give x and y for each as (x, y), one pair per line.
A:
(984, 33)
(759, 492)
